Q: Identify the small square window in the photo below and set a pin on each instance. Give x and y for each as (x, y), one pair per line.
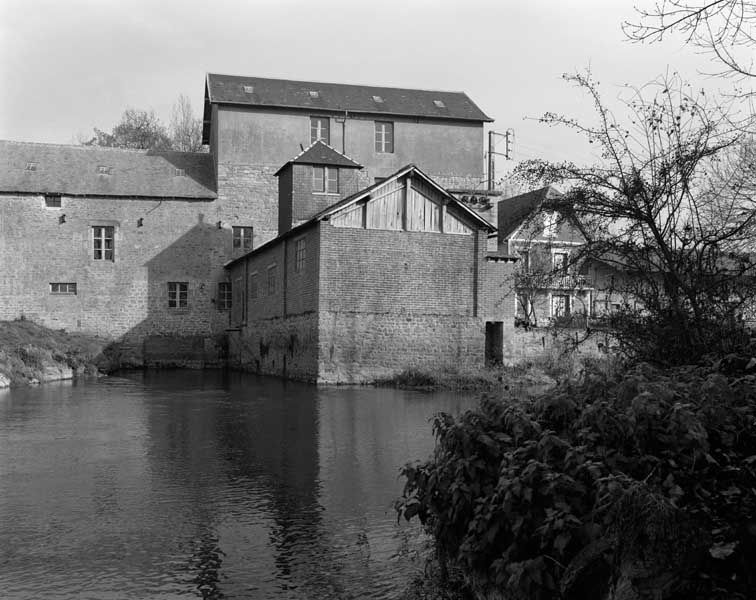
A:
(104, 170)
(31, 166)
(300, 255)
(320, 130)
(378, 99)
(249, 89)
(314, 94)
(178, 172)
(104, 243)
(271, 280)
(224, 295)
(53, 202)
(178, 294)
(384, 137)
(242, 237)
(63, 289)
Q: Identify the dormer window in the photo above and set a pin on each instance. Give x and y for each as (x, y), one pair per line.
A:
(314, 94)
(378, 99)
(178, 172)
(249, 89)
(104, 170)
(439, 104)
(31, 166)
(325, 180)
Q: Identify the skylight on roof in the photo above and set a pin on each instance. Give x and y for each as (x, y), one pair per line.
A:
(178, 172)
(249, 89)
(104, 170)
(377, 99)
(439, 103)
(31, 166)
(314, 94)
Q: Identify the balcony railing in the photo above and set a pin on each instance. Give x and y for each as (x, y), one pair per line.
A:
(568, 281)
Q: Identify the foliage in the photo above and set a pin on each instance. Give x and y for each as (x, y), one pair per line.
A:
(668, 207)
(142, 130)
(644, 484)
(721, 28)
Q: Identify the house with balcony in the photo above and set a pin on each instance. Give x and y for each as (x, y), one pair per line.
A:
(551, 282)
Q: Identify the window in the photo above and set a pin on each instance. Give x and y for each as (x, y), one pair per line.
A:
(242, 237)
(104, 170)
(271, 280)
(300, 255)
(525, 261)
(63, 289)
(53, 202)
(440, 104)
(550, 221)
(560, 306)
(103, 242)
(253, 286)
(325, 179)
(319, 129)
(178, 293)
(384, 136)
(560, 261)
(224, 295)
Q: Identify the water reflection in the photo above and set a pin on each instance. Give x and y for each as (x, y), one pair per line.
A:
(207, 485)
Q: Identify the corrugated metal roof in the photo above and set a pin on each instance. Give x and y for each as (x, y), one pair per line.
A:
(284, 93)
(97, 171)
(320, 153)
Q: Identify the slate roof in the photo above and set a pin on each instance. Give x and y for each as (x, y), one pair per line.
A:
(339, 97)
(513, 211)
(320, 153)
(27, 167)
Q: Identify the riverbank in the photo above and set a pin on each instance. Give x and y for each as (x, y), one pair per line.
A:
(32, 354)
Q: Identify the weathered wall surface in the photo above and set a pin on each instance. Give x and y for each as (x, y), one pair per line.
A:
(178, 241)
(498, 299)
(447, 149)
(544, 342)
(358, 347)
(286, 347)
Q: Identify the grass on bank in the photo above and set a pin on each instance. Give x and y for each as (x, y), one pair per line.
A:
(28, 350)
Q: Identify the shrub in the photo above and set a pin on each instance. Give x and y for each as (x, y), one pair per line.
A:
(646, 482)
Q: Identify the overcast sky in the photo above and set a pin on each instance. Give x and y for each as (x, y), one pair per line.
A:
(71, 65)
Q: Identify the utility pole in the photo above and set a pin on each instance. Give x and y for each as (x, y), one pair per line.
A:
(507, 154)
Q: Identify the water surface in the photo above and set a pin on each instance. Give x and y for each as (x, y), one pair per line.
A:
(188, 484)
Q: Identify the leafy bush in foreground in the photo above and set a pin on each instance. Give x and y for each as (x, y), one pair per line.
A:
(643, 486)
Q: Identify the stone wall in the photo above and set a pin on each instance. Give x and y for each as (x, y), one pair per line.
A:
(543, 342)
(282, 346)
(359, 347)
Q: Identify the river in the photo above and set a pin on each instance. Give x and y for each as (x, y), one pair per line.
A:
(192, 484)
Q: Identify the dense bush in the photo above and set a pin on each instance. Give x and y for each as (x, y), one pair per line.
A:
(639, 486)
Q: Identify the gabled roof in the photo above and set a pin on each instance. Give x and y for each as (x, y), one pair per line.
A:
(320, 153)
(415, 171)
(363, 195)
(514, 211)
(33, 168)
(338, 97)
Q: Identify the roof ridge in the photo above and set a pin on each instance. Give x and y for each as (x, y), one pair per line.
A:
(388, 87)
(86, 147)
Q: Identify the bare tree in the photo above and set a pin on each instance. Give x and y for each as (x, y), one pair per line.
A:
(185, 129)
(724, 28)
(653, 207)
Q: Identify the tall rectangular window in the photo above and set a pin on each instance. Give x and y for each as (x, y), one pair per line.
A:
(63, 289)
(325, 180)
(560, 261)
(300, 255)
(104, 248)
(224, 295)
(384, 136)
(319, 129)
(253, 286)
(242, 237)
(271, 280)
(178, 294)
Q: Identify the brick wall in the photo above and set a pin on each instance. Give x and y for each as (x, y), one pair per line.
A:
(379, 271)
(357, 347)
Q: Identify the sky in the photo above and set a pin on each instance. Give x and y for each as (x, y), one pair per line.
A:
(69, 66)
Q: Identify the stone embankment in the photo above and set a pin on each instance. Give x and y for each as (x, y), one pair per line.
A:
(32, 354)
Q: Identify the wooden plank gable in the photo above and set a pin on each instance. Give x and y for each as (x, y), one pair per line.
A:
(405, 203)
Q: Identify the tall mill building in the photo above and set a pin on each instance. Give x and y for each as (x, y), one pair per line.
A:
(139, 246)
